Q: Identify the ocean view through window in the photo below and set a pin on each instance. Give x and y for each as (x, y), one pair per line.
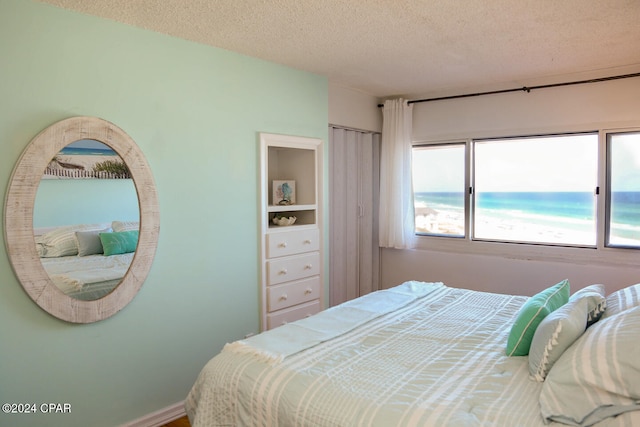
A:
(537, 189)
(623, 223)
(439, 183)
(545, 190)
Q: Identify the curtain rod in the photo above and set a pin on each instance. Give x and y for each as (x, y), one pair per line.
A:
(523, 89)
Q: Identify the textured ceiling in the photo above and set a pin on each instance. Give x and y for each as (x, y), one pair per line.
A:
(405, 47)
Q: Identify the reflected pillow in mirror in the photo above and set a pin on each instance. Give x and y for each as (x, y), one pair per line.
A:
(62, 241)
(89, 242)
(120, 242)
(125, 225)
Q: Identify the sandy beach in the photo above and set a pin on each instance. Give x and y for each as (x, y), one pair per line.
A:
(74, 165)
(445, 222)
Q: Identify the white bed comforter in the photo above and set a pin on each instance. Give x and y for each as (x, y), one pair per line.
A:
(433, 356)
(90, 276)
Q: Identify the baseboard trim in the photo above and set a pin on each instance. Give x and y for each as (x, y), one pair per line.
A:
(159, 417)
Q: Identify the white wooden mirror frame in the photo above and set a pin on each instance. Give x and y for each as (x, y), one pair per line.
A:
(18, 215)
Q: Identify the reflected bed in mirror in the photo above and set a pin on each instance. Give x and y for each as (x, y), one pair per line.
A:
(87, 261)
(115, 221)
(85, 185)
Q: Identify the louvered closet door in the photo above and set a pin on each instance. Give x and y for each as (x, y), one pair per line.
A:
(353, 198)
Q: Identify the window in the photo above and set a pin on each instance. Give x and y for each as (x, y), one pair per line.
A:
(536, 190)
(623, 218)
(439, 189)
(545, 190)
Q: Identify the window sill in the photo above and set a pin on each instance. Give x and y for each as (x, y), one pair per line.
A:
(574, 255)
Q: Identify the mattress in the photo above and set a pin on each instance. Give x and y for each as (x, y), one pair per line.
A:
(420, 354)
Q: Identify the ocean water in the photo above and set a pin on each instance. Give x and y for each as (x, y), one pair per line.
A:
(80, 151)
(573, 211)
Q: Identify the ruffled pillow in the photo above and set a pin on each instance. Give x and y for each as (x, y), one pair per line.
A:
(563, 327)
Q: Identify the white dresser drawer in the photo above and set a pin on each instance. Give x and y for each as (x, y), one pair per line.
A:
(292, 242)
(296, 267)
(292, 314)
(293, 293)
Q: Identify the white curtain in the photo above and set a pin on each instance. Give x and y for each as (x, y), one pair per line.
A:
(396, 191)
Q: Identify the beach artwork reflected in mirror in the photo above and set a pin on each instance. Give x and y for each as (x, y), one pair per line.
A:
(86, 220)
(87, 159)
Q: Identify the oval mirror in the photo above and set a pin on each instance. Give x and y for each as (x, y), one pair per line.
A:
(24, 243)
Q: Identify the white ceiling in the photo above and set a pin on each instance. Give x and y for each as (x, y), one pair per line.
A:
(405, 47)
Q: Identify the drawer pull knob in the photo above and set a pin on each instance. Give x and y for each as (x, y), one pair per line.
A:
(282, 245)
(307, 242)
(283, 297)
(283, 271)
(308, 291)
(308, 267)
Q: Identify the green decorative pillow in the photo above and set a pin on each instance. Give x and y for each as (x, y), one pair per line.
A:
(598, 376)
(559, 330)
(121, 242)
(531, 314)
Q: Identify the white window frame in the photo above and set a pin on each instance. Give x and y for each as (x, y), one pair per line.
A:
(598, 255)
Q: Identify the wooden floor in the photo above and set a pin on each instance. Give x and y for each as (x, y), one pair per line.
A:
(180, 422)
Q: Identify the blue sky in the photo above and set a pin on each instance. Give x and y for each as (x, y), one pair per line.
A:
(563, 163)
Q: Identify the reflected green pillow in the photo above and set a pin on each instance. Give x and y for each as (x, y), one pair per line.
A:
(531, 314)
(120, 242)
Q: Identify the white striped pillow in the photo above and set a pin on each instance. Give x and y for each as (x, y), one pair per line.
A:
(62, 241)
(598, 376)
(125, 225)
(622, 300)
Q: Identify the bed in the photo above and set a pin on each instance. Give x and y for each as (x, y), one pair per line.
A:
(87, 278)
(423, 354)
(87, 261)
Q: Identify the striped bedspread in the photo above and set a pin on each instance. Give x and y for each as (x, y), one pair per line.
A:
(88, 277)
(435, 359)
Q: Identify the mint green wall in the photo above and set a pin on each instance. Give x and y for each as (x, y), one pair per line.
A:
(84, 201)
(195, 112)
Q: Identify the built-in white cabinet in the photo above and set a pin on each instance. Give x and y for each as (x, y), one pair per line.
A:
(291, 254)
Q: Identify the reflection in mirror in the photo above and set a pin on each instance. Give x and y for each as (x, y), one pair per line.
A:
(85, 200)
(19, 216)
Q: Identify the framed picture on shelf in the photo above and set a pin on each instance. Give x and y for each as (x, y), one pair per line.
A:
(284, 192)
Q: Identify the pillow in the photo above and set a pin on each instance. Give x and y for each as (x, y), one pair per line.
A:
(622, 300)
(598, 376)
(531, 314)
(89, 242)
(121, 242)
(562, 328)
(125, 225)
(40, 248)
(595, 300)
(62, 240)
